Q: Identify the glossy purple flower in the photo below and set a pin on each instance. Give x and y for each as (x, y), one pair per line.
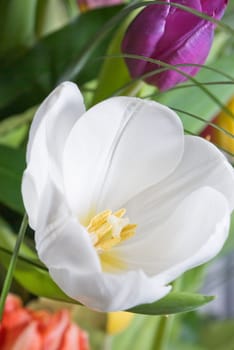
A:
(173, 36)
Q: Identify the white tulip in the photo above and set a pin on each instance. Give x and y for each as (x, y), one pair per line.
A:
(121, 202)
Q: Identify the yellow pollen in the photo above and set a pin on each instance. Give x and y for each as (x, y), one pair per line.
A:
(108, 229)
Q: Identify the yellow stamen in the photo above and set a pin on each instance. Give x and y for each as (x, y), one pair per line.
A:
(98, 220)
(128, 231)
(120, 213)
(108, 229)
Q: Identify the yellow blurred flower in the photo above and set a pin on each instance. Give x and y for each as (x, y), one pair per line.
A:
(118, 321)
(226, 122)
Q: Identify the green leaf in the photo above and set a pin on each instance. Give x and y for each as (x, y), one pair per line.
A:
(7, 241)
(114, 72)
(31, 276)
(186, 346)
(173, 303)
(30, 78)
(218, 335)
(138, 336)
(17, 24)
(16, 121)
(51, 15)
(13, 130)
(12, 164)
(34, 279)
(192, 280)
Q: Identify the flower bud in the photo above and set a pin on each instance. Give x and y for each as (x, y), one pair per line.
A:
(173, 36)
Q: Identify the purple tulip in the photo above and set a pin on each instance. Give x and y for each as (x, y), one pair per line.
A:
(173, 36)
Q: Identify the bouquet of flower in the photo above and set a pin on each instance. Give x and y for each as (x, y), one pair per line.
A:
(116, 151)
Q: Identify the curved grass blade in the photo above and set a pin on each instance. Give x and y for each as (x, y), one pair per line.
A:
(12, 164)
(217, 127)
(34, 262)
(12, 264)
(16, 121)
(75, 69)
(171, 67)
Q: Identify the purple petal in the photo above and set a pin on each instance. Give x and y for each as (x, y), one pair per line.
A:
(214, 8)
(143, 35)
(193, 51)
(180, 25)
(171, 35)
(154, 30)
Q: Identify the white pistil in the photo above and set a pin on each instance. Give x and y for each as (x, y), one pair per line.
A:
(117, 225)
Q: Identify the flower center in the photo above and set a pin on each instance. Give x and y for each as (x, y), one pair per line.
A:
(108, 229)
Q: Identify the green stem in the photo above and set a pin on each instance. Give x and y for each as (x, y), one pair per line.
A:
(11, 268)
(165, 324)
(163, 331)
(51, 16)
(107, 345)
(72, 8)
(18, 24)
(114, 73)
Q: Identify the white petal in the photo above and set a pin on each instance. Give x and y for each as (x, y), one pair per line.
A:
(192, 234)
(60, 239)
(30, 197)
(120, 147)
(202, 165)
(65, 244)
(66, 249)
(60, 110)
(51, 125)
(109, 292)
(48, 133)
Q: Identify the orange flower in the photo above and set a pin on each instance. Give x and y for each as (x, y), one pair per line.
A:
(25, 329)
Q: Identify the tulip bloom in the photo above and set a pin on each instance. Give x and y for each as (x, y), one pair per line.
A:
(22, 328)
(173, 36)
(122, 203)
(85, 5)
